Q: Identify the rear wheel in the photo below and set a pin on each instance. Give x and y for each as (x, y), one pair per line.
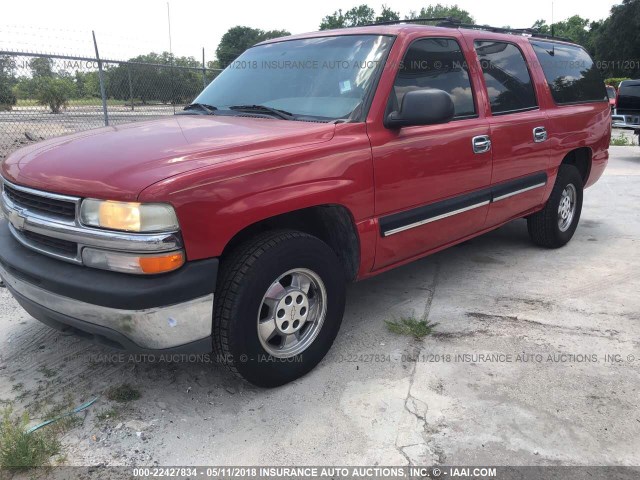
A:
(555, 224)
(279, 305)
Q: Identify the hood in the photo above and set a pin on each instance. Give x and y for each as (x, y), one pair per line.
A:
(119, 162)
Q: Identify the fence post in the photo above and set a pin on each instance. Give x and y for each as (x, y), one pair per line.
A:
(101, 79)
(130, 86)
(204, 71)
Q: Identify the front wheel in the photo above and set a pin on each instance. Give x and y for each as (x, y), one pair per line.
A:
(555, 224)
(279, 305)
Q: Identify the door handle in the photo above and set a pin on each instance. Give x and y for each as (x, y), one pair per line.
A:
(539, 134)
(481, 143)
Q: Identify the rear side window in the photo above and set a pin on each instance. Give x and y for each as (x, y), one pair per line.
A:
(506, 76)
(570, 72)
(436, 63)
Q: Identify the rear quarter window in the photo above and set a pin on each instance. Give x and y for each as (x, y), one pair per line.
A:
(570, 72)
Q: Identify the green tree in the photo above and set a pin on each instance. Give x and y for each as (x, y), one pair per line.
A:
(237, 39)
(41, 67)
(617, 43)
(438, 10)
(333, 21)
(357, 16)
(154, 77)
(87, 84)
(54, 92)
(7, 96)
(578, 29)
(387, 15)
(7, 81)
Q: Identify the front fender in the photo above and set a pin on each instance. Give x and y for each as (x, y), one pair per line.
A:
(214, 204)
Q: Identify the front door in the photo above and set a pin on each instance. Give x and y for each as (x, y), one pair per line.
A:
(431, 182)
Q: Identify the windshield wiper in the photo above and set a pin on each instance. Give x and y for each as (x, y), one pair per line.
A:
(209, 109)
(276, 112)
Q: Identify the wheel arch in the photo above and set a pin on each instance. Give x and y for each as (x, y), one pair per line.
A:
(581, 159)
(332, 223)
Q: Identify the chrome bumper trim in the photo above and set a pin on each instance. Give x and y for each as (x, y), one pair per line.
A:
(620, 121)
(152, 328)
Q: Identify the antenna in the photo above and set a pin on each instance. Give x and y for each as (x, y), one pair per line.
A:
(169, 23)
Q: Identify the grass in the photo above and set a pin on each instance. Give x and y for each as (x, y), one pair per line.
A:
(621, 140)
(122, 393)
(91, 102)
(20, 450)
(105, 415)
(64, 424)
(411, 326)
(85, 102)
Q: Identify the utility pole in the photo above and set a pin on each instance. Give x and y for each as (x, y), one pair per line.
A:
(101, 80)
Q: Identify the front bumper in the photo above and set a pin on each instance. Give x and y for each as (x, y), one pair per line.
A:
(162, 313)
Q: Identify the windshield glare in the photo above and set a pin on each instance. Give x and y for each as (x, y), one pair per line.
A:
(323, 78)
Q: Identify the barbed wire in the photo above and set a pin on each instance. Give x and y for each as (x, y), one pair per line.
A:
(78, 42)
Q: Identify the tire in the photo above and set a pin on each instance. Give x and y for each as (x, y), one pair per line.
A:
(248, 294)
(548, 228)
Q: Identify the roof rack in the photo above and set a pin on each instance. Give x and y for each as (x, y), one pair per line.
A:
(416, 20)
(450, 22)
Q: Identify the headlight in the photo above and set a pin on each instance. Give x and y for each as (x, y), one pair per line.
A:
(128, 216)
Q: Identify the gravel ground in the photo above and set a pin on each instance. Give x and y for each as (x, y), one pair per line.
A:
(535, 361)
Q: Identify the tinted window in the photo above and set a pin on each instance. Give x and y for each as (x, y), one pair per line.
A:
(436, 63)
(629, 95)
(325, 77)
(506, 76)
(570, 72)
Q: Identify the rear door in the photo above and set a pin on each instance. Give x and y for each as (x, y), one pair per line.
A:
(519, 129)
(431, 184)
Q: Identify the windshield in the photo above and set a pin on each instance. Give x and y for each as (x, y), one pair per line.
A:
(323, 78)
(611, 92)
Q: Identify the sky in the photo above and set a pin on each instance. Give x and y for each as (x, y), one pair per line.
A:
(126, 28)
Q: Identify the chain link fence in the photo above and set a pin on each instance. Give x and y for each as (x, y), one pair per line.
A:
(43, 96)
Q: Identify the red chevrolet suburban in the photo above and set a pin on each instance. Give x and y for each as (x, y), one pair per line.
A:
(311, 161)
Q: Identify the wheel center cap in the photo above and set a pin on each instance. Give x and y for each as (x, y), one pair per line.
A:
(292, 311)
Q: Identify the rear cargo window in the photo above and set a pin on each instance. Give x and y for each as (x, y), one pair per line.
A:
(570, 72)
(507, 78)
(629, 95)
(436, 63)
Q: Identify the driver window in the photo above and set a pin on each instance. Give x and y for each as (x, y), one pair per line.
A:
(436, 63)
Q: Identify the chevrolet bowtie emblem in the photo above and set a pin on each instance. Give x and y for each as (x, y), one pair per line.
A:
(17, 220)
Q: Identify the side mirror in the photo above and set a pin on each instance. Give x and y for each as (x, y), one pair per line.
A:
(422, 107)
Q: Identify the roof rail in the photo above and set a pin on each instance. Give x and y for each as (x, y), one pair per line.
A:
(450, 22)
(534, 32)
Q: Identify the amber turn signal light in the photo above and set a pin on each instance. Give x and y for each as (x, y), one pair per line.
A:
(145, 264)
(162, 263)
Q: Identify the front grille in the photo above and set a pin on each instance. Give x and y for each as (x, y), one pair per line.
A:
(40, 203)
(55, 245)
